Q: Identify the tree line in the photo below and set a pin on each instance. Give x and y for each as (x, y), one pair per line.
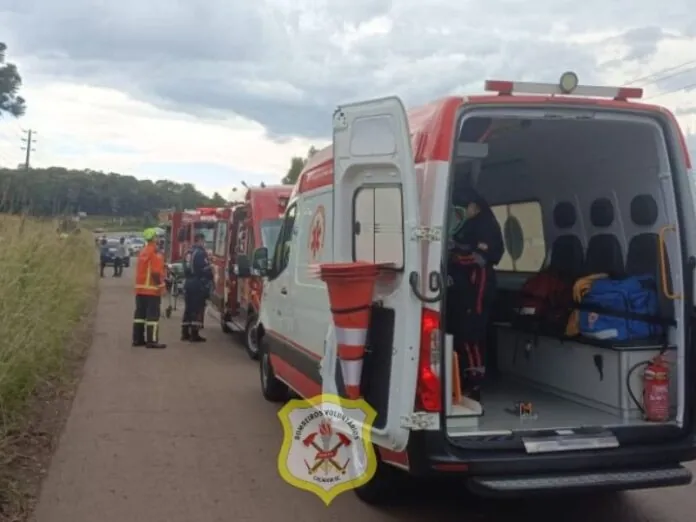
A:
(54, 191)
(297, 163)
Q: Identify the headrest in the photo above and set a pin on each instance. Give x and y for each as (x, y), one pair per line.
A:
(564, 215)
(644, 210)
(601, 213)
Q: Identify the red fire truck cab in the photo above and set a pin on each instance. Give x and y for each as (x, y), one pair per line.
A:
(245, 226)
(183, 225)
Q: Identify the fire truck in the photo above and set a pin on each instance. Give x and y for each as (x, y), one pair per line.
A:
(239, 230)
(180, 227)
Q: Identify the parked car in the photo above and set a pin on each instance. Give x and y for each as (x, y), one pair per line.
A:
(135, 245)
(113, 245)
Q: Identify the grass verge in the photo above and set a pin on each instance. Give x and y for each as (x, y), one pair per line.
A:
(48, 287)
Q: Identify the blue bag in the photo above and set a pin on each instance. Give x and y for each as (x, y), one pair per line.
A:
(629, 299)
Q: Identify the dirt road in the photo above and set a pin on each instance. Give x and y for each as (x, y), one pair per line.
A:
(183, 435)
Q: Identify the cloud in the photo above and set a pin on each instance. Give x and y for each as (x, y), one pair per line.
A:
(287, 64)
(249, 84)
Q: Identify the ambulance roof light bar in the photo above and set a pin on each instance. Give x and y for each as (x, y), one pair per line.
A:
(567, 85)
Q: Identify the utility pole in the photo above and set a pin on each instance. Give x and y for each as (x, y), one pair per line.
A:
(29, 140)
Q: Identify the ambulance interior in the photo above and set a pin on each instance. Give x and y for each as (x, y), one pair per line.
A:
(581, 196)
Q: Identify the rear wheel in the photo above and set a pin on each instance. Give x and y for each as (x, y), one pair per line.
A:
(384, 487)
(251, 337)
(272, 389)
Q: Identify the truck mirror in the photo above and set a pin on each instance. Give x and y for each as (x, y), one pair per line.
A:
(259, 260)
(243, 266)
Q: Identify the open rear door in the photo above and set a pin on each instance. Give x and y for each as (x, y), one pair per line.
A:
(376, 213)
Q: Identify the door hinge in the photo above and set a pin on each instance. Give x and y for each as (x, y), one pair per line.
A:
(421, 421)
(427, 234)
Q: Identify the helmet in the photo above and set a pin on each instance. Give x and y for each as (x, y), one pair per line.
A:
(149, 234)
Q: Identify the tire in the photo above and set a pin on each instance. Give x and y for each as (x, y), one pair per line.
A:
(272, 389)
(251, 340)
(384, 488)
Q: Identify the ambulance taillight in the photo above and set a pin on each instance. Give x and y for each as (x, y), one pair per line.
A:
(429, 388)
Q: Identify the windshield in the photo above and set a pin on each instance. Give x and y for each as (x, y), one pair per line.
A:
(208, 230)
(269, 232)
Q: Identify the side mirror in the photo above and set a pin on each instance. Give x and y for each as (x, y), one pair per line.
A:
(259, 260)
(181, 234)
(243, 266)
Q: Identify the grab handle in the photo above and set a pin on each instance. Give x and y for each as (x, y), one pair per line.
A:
(663, 262)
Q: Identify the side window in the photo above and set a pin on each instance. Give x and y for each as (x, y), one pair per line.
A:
(220, 239)
(378, 225)
(281, 255)
(523, 232)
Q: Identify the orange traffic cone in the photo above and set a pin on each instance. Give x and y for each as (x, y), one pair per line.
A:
(350, 287)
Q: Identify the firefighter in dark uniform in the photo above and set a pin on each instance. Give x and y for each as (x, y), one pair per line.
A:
(474, 250)
(198, 281)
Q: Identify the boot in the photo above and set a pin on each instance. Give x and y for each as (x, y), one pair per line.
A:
(138, 334)
(185, 332)
(152, 337)
(196, 336)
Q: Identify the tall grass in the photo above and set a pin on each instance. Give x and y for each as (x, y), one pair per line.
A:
(46, 284)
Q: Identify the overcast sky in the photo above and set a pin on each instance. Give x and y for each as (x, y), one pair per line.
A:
(219, 91)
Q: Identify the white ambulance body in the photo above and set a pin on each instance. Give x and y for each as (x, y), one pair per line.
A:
(574, 179)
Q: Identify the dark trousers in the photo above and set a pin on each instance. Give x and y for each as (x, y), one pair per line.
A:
(118, 267)
(469, 302)
(102, 266)
(194, 305)
(146, 319)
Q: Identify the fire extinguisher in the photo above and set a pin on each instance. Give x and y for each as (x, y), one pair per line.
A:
(655, 406)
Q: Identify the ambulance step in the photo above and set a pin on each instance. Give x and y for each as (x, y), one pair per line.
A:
(567, 482)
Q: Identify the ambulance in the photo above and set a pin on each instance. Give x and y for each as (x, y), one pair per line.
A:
(579, 177)
(255, 222)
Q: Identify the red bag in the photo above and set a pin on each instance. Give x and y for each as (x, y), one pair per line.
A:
(546, 301)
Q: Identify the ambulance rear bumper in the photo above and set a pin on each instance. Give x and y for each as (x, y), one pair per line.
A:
(492, 472)
(580, 482)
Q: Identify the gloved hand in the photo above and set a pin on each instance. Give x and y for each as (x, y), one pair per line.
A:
(478, 258)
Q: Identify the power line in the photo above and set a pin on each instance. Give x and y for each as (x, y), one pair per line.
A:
(29, 140)
(671, 91)
(656, 75)
(668, 76)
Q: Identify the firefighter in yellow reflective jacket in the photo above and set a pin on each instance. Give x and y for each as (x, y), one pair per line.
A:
(149, 284)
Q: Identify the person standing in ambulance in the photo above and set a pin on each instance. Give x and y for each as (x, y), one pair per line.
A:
(475, 248)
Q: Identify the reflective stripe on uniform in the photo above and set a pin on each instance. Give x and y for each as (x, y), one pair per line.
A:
(155, 328)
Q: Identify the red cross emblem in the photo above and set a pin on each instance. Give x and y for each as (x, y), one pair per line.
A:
(316, 234)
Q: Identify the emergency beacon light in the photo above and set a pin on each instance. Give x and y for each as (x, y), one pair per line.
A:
(567, 85)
